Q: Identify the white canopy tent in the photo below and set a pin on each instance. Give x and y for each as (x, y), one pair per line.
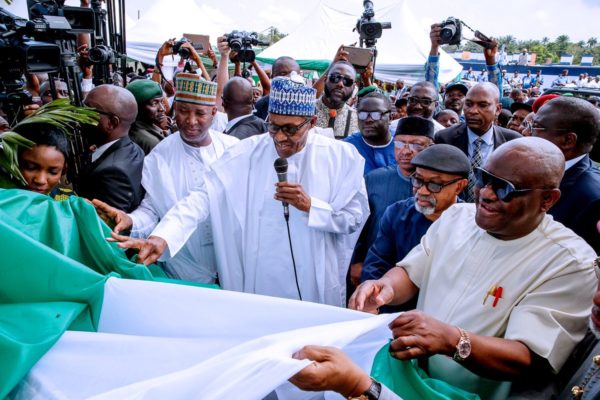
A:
(402, 50)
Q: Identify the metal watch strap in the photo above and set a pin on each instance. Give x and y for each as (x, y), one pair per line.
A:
(372, 393)
(464, 341)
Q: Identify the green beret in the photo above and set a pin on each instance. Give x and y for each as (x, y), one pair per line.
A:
(144, 90)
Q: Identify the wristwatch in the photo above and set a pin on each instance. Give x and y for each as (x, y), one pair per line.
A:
(463, 348)
(372, 392)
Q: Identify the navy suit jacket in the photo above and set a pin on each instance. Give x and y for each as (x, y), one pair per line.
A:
(579, 205)
(457, 136)
(116, 176)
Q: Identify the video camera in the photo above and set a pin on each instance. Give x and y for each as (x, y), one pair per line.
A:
(451, 33)
(242, 42)
(368, 28)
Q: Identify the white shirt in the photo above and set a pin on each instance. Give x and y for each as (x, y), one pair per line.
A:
(100, 150)
(249, 231)
(219, 122)
(486, 147)
(547, 282)
(171, 171)
(570, 163)
(234, 121)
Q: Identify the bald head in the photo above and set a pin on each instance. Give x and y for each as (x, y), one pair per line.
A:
(575, 115)
(117, 101)
(237, 97)
(534, 160)
(284, 66)
(488, 88)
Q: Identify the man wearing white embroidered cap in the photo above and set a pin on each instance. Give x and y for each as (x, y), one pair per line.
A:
(327, 204)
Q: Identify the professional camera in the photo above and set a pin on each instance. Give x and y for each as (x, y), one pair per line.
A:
(101, 54)
(242, 42)
(182, 51)
(451, 32)
(368, 28)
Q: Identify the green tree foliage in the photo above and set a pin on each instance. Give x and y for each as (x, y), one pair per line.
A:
(544, 48)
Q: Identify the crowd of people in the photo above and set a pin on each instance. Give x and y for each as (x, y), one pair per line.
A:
(474, 207)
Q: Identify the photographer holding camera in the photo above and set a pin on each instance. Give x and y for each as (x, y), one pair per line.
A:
(185, 50)
(454, 97)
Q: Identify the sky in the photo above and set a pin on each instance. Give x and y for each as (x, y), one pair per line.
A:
(523, 19)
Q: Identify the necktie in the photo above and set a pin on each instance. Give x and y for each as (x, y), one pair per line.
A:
(475, 163)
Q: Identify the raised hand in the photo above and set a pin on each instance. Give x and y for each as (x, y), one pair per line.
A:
(331, 370)
(117, 219)
(150, 249)
(370, 295)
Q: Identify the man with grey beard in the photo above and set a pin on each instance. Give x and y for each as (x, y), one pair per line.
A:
(441, 174)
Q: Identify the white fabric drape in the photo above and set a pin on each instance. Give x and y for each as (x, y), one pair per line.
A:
(164, 341)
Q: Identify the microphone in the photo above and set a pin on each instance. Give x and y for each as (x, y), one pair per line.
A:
(281, 166)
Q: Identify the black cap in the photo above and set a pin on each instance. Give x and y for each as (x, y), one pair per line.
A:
(520, 106)
(443, 158)
(457, 85)
(416, 126)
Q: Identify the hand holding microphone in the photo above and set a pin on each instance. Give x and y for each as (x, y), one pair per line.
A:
(289, 193)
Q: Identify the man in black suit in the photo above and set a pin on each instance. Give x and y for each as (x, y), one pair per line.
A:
(238, 99)
(115, 173)
(478, 136)
(573, 125)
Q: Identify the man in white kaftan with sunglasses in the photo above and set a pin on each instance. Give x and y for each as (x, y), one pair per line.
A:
(327, 207)
(503, 288)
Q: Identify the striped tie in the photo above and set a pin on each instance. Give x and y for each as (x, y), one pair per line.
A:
(475, 163)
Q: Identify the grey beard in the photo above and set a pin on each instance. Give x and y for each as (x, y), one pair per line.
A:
(426, 210)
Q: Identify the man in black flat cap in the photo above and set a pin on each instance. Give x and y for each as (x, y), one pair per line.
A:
(441, 173)
(519, 112)
(390, 184)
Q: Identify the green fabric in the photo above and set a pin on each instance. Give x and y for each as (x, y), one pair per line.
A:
(55, 261)
(313, 65)
(144, 90)
(42, 293)
(410, 382)
(72, 228)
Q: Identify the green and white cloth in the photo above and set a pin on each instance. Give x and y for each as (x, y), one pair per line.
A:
(71, 328)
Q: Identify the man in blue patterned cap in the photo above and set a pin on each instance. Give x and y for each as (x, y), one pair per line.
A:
(327, 207)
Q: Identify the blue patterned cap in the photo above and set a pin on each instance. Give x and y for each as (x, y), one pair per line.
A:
(291, 96)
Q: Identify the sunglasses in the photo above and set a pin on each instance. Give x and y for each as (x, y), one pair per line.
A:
(505, 190)
(432, 187)
(288, 130)
(335, 78)
(375, 115)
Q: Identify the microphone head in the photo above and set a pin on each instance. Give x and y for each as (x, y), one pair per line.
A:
(281, 165)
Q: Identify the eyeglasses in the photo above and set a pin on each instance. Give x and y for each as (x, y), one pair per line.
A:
(375, 115)
(505, 190)
(529, 125)
(432, 187)
(423, 101)
(399, 144)
(288, 130)
(335, 78)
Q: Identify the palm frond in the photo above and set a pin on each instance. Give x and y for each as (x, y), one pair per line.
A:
(59, 113)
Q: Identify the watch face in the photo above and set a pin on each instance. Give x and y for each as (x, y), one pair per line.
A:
(464, 349)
